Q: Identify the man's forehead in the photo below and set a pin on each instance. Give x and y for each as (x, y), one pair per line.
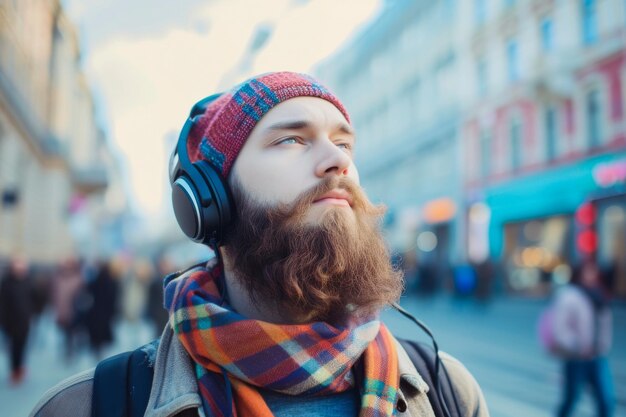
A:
(298, 112)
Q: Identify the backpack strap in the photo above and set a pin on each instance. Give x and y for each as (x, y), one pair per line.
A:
(424, 359)
(141, 373)
(121, 385)
(110, 386)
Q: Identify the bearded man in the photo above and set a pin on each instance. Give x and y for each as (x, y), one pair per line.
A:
(285, 319)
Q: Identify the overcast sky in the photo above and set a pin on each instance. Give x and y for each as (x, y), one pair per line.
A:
(150, 60)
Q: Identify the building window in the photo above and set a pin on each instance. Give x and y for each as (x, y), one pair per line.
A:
(547, 34)
(589, 21)
(481, 72)
(512, 60)
(593, 112)
(516, 144)
(480, 11)
(485, 153)
(551, 131)
(538, 248)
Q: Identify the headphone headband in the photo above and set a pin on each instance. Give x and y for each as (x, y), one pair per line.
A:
(200, 196)
(196, 111)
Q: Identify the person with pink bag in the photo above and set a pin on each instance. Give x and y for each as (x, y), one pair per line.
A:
(580, 323)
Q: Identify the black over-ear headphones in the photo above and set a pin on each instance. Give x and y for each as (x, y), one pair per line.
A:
(200, 195)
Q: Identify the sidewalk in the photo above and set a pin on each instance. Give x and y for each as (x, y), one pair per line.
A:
(498, 344)
(46, 365)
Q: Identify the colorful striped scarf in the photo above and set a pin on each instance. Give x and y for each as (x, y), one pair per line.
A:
(233, 354)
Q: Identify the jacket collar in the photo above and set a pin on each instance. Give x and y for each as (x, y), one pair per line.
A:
(408, 372)
(174, 387)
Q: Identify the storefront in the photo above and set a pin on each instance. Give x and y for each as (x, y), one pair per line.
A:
(535, 231)
(537, 253)
(607, 226)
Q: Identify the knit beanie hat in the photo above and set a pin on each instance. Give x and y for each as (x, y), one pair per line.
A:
(221, 132)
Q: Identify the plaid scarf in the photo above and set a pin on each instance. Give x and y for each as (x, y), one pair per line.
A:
(233, 354)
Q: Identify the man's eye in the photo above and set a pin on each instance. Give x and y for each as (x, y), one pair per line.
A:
(288, 141)
(346, 146)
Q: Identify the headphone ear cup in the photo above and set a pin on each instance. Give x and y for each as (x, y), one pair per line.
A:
(187, 207)
(216, 216)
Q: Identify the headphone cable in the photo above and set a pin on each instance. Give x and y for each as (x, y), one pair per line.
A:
(438, 361)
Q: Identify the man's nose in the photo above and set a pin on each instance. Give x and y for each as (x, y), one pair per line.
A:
(333, 160)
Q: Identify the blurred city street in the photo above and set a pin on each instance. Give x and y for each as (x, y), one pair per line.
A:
(492, 132)
(46, 364)
(496, 342)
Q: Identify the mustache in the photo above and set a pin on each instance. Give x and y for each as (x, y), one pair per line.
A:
(308, 197)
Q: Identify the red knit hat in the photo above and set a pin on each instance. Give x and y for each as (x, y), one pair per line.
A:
(227, 122)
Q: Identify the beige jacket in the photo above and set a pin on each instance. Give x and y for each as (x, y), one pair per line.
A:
(174, 388)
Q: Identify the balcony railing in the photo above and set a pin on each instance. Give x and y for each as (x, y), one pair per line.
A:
(88, 180)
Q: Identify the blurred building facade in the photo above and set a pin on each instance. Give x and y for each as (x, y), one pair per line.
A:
(495, 130)
(397, 80)
(56, 167)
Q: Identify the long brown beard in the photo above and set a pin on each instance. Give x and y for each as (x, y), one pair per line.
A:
(327, 271)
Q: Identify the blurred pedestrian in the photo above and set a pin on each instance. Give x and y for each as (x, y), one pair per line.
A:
(135, 291)
(155, 310)
(464, 280)
(40, 279)
(583, 332)
(103, 291)
(67, 286)
(485, 272)
(427, 279)
(17, 307)
(133, 298)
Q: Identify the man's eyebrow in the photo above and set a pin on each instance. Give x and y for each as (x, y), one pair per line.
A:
(303, 124)
(291, 125)
(345, 128)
